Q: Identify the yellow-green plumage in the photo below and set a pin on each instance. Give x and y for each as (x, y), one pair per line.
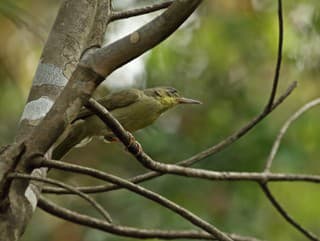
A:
(133, 108)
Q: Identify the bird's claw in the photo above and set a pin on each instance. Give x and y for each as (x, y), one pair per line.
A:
(133, 144)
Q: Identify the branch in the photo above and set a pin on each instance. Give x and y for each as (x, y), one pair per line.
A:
(218, 176)
(135, 149)
(74, 217)
(107, 59)
(270, 159)
(239, 133)
(116, 229)
(186, 214)
(90, 200)
(208, 175)
(98, 30)
(279, 57)
(116, 15)
(285, 215)
(284, 129)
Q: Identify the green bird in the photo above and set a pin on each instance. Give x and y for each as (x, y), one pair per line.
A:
(133, 108)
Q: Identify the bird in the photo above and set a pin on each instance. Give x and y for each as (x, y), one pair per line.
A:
(134, 108)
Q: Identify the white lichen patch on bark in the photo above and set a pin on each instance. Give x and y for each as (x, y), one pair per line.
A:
(32, 192)
(31, 196)
(35, 110)
(48, 74)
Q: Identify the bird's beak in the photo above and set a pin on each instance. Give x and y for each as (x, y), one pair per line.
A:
(182, 100)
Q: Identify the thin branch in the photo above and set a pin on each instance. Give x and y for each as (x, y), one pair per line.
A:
(259, 177)
(279, 57)
(87, 221)
(116, 15)
(213, 176)
(239, 133)
(284, 129)
(116, 229)
(267, 110)
(208, 175)
(136, 150)
(186, 214)
(90, 200)
(285, 215)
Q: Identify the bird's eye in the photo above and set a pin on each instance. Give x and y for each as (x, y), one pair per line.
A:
(172, 92)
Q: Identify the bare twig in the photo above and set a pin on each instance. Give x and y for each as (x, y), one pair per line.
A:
(239, 133)
(88, 221)
(74, 217)
(116, 15)
(285, 215)
(186, 214)
(210, 175)
(284, 129)
(279, 57)
(136, 150)
(96, 205)
(270, 159)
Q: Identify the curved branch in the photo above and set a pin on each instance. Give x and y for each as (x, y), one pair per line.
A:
(88, 221)
(74, 217)
(90, 200)
(279, 57)
(116, 15)
(285, 215)
(284, 129)
(239, 133)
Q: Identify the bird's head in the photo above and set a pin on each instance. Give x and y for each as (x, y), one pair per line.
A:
(169, 97)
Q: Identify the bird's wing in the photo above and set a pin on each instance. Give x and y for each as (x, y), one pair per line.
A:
(113, 101)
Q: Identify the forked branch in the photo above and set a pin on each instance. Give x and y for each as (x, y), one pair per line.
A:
(117, 15)
(86, 197)
(186, 214)
(284, 129)
(125, 231)
(285, 214)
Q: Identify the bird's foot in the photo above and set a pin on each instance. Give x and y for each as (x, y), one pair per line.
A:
(134, 145)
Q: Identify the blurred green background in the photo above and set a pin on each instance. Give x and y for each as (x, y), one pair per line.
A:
(225, 56)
